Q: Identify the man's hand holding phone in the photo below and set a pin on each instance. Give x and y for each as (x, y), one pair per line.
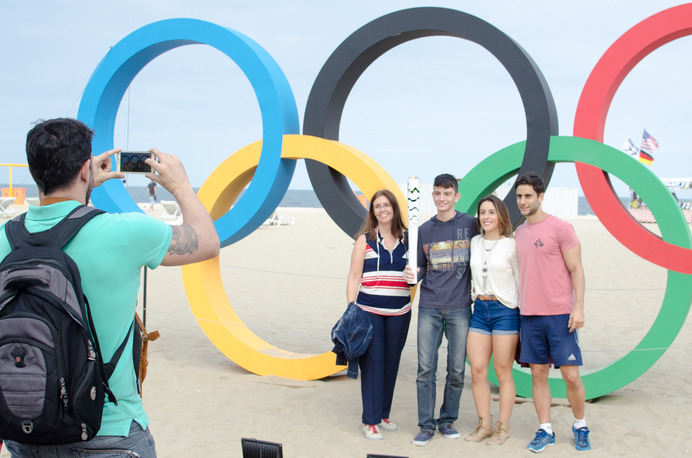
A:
(101, 168)
(169, 172)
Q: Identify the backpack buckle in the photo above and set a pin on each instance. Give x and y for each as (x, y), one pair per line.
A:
(27, 426)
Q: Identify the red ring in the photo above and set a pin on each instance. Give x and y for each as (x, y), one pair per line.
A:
(589, 122)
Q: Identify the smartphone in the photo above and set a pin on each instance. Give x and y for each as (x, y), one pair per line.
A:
(133, 162)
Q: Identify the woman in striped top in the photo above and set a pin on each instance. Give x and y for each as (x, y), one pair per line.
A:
(376, 285)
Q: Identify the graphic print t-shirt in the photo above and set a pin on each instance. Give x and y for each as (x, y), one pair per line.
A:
(443, 258)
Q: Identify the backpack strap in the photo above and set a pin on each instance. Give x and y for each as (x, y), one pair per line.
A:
(97, 347)
(57, 236)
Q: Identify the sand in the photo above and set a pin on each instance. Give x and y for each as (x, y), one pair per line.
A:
(288, 284)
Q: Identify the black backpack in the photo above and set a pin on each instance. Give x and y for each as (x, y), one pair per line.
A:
(53, 381)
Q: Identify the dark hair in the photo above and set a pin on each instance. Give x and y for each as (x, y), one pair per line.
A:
(532, 179)
(370, 224)
(446, 181)
(502, 214)
(55, 150)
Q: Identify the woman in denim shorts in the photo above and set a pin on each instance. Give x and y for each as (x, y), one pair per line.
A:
(494, 329)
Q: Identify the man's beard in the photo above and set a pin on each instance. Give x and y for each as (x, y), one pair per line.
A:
(533, 210)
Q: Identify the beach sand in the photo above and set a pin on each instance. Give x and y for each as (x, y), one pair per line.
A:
(288, 285)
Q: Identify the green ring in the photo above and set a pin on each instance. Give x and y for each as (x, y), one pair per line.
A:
(674, 229)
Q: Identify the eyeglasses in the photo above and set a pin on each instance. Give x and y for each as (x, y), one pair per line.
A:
(382, 206)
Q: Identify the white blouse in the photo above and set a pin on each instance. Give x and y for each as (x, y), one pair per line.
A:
(501, 278)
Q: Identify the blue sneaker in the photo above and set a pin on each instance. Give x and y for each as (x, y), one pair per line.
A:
(449, 431)
(581, 438)
(541, 441)
(423, 437)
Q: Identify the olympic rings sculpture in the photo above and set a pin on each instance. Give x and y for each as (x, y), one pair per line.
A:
(268, 165)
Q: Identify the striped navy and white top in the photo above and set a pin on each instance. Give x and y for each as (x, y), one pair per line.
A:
(383, 290)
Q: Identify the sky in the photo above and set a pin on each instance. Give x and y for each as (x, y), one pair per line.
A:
(432, 105)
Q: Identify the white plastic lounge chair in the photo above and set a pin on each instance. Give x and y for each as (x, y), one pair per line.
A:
(171, 212)
(278, 220)
(6, 208)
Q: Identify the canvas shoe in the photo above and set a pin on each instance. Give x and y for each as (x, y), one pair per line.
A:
(541, 441)
(423, 437)
(500, 435)
(483, 430)
(372, 432)
(387, 425)
(449, 431)
(581, 438)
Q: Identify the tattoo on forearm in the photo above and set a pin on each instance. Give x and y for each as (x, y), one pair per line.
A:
(184, 240)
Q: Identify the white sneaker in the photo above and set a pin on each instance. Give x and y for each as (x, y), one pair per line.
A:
(387, 425)
(372, 432)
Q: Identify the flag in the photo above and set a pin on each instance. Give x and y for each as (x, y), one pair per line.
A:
(649, 143)
(645, 157)
(630, 148)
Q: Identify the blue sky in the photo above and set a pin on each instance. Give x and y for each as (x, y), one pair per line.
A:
(429, 106)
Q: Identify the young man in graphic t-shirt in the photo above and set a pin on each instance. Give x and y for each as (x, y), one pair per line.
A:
(552, 308)
(444, 307)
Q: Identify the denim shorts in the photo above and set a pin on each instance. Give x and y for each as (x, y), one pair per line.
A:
(494, 318)
(546, 340)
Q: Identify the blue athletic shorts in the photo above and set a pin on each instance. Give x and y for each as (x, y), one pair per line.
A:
(546, 337)
(494, 318)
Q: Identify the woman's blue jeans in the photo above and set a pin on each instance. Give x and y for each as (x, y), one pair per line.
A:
(380, 365)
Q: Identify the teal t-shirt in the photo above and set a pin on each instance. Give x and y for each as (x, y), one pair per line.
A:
(110, 251)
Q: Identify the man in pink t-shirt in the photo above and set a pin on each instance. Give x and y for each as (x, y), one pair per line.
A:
(552, 308)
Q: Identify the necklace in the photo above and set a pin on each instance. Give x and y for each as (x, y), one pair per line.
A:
(485, 256)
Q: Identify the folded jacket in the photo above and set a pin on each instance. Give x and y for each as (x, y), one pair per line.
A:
(351, 336)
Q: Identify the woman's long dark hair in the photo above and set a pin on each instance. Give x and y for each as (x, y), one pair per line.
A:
(502, 214)
(370, 224)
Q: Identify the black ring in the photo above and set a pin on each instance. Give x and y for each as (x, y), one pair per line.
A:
(348, 62)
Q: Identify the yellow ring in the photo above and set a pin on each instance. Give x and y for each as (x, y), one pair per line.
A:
(202, 281)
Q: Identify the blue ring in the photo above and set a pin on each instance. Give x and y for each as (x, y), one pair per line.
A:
(110, 80)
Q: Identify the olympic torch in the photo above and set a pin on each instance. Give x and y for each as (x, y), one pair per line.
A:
(413, 198)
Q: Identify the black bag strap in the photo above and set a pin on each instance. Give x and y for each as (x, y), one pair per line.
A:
(137, 351)
(110, 366)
